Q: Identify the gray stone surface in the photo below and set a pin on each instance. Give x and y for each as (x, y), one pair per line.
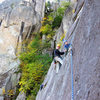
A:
(21, 96)
(1, 98)
(86, 60)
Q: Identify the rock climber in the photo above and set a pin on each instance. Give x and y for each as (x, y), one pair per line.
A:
(57, 54)
(67, 47)
(57, 58)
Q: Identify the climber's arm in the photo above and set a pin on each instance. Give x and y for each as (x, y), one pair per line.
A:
(59, 53)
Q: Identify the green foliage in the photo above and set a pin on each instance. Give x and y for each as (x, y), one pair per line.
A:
(46, 29)
(31, 97)
(59, 14)
(65, 4)
(53, 20)
(63, 36)
(57, 21)
(49, 36)
(60, 11)
(34, 66)
(50, 19)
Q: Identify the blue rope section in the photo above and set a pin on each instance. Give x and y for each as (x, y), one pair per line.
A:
(72, 82)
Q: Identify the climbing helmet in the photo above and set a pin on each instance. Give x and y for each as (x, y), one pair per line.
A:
(58, 45)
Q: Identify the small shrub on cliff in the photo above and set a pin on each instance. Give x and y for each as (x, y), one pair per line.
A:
(47, 27)
(65, 4)
(57, 21)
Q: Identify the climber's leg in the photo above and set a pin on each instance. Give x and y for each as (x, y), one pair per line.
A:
(57, 67)
(59, 60)
(54, 61)
(60, 65)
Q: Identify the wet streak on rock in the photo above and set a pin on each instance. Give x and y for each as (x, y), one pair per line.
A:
(21, 30)
(0, 22)
(78, 8)
(29, 32)
(20, 35)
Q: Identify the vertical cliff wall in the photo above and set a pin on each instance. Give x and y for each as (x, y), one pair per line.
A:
(84, 33)
(19, 18)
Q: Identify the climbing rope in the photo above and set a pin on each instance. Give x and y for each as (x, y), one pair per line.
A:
(71, 58)
(72, 82)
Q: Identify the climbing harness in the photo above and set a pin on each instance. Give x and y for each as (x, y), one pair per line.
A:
(72, 82)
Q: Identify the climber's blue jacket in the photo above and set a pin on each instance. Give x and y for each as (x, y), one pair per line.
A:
(58, 53)
(67, 46)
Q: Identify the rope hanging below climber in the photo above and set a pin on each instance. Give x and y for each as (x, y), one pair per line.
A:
(72, 82)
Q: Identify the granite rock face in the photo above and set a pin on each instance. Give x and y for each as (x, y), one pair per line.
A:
(21, 96)
(84, 34)
(19, 18)
(17, 21)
